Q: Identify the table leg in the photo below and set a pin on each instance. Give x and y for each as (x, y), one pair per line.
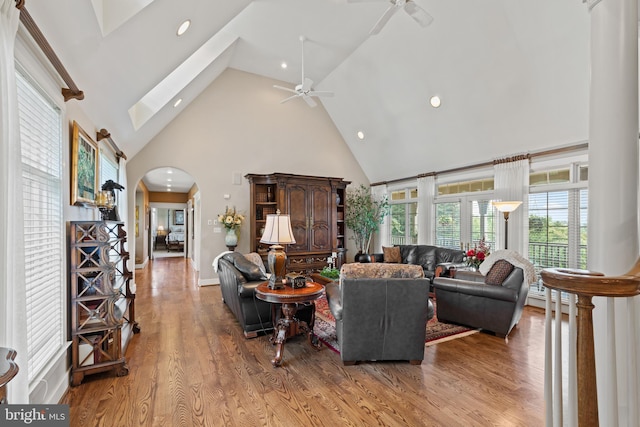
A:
(282, 330)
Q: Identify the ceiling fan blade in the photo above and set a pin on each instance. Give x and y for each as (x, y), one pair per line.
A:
(306, 85)
(309, 100)
(418, 14)
(383, 19)
(320, 93)
(285, 88)
(288, 99)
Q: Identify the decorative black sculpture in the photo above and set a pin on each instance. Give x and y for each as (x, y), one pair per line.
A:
(108, 210)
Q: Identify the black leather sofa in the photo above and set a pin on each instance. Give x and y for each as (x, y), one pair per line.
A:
(468, 300)
(239, 279)
(435, 260)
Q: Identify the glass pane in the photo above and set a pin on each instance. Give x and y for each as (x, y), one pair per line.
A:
(448, 225)
(398, 225)
(482, 223)
(399, 195)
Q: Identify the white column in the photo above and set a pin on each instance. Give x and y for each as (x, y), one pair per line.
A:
(613, 188)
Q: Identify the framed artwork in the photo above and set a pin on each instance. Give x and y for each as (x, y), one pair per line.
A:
(178, 217)
(84, 167)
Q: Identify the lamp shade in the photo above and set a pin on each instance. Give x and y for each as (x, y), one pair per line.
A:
(507, 206)
(277, 230)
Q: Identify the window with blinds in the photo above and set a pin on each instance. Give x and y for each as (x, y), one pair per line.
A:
(41, 145)
(448, 225)
(483, 223)
(558, 229)
(404, 217)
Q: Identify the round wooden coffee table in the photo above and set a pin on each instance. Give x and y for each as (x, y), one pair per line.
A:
(288, 325)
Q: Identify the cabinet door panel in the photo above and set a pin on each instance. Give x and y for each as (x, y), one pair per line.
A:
(297, 208)
(320, 203)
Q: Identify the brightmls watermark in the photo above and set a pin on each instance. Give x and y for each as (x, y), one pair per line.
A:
(34, 415)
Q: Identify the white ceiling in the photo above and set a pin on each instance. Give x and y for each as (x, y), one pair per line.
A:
(168, 179)
(511, 73)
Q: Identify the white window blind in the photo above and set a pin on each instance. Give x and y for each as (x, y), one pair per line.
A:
(108, 168)
(41, 145)
(448, 225)
(558, 229)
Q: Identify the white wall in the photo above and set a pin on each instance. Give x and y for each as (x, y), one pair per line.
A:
(238, 126)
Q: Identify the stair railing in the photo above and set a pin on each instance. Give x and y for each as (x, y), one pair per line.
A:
(585, 284)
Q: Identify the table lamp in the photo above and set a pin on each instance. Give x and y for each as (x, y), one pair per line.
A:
(506, 208)
(277, 232)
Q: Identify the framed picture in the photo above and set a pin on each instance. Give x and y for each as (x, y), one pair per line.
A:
(84, 167)
(178, 217)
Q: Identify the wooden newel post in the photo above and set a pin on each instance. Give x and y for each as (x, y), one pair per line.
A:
(586, 364)
(587, 284)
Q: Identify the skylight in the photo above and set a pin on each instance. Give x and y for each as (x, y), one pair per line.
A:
(165, 91)
(113, 13)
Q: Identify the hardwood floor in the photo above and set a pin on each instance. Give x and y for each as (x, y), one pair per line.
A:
(191, 365)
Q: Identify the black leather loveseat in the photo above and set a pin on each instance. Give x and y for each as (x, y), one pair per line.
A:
(427, 256)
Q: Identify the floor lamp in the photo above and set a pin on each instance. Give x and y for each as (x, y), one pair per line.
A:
(277, 232)
(506, 208)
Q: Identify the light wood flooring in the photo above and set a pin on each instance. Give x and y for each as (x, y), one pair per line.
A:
(191, 365)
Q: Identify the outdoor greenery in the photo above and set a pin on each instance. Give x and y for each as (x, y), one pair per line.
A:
(364, 214)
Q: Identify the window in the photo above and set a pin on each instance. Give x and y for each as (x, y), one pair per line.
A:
(558, 220)
(41, 145)
(108, 169)
(448, 225)
(403, 206)
(470, 218)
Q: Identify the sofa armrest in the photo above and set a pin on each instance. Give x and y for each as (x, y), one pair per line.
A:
(333, 298)
(468, 287)
(470, 276)
(442, 269)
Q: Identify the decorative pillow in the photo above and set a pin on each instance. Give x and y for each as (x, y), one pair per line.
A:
(391, 254)
(499, 271)
(248, 269)
(255, 258)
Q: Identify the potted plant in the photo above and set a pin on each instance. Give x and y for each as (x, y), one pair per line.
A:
(363, 215)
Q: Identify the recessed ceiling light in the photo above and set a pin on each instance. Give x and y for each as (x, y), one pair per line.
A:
(178, 101)
(169, 179)
(435, 101)
(168, 185)
(169, 171)
(168, 189)
(183, 27)
(283, 65)
(360, 135)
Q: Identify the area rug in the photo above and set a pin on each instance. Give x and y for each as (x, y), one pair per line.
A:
(437, 332)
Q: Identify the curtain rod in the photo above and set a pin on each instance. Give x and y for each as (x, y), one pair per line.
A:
(34, 31)
(104, 134)
(550, 152)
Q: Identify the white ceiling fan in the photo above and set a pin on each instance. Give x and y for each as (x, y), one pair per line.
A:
(418, 14)
(304, 90)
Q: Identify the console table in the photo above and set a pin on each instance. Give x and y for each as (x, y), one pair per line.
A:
(288, 325)
(8, 370)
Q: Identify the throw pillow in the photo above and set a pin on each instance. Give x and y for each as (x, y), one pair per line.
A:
(391, 254)
(248, 269)
(499, 271)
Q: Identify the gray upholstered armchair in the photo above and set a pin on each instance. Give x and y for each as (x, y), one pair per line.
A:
(493, 302)
(381, 312)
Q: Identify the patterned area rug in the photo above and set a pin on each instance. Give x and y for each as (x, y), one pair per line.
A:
(437, 332)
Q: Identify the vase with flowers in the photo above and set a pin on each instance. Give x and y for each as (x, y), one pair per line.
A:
(476, 255)
(232, 222)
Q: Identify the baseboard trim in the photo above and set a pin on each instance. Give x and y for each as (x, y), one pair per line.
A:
(209, 282)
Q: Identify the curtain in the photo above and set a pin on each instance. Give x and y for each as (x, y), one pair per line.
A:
(379, 192)
(426, 210)
(511, 181)
(12, 281)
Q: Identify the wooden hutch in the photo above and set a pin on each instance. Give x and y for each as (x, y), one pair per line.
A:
(316, 206)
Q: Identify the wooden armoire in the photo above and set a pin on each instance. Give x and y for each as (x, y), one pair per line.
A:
(316, 206)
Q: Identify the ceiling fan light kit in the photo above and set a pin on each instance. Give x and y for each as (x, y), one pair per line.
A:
(303, 90)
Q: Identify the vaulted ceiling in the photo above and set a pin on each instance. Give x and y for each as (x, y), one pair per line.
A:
(512, 74)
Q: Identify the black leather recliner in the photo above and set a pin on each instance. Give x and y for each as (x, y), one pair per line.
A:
(380, 316)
